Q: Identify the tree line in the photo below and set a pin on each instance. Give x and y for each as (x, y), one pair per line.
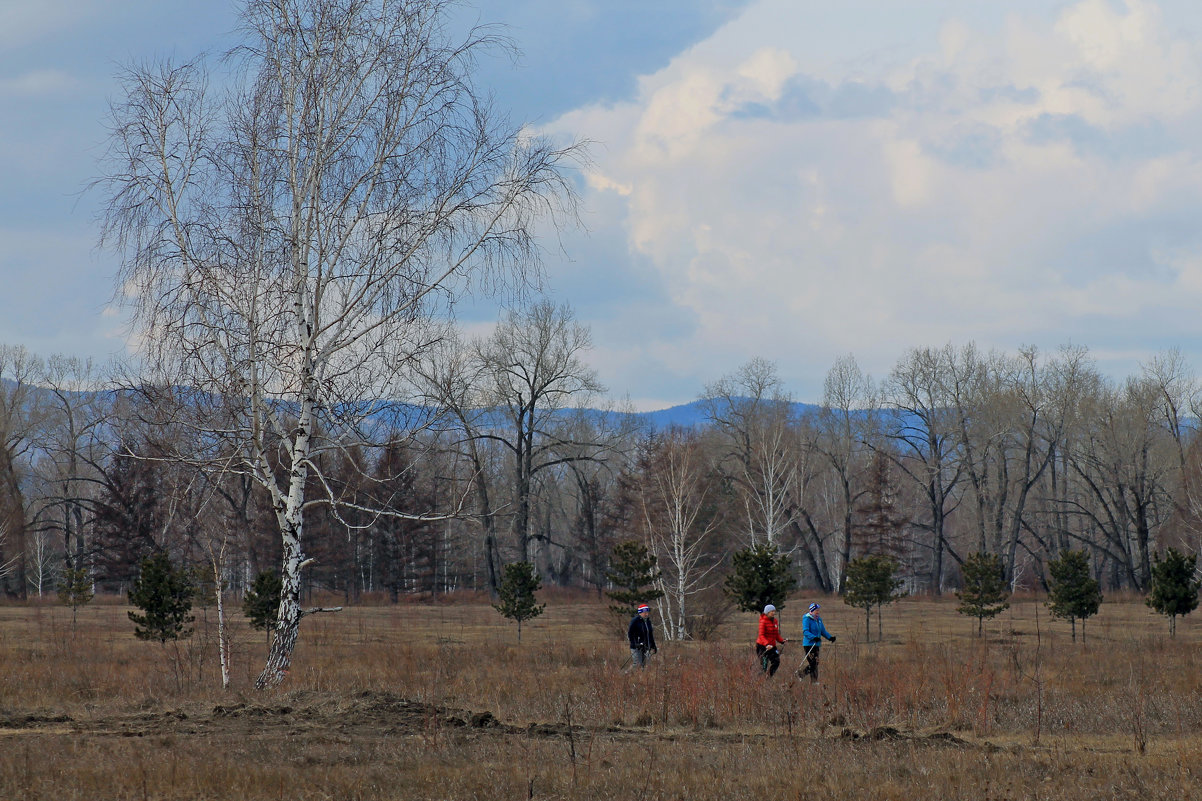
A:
(507, 459)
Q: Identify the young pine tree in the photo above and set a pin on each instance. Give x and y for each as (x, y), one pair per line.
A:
(760, 577)
(1174, 586)
(164, 594)
(984, 593)
(872, 581)
(516, 594)
(75, 590)
(1072, 592)
(261, 603)
(632, 571)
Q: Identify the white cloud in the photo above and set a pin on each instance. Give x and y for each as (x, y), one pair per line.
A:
(22, 21)
(1014, 184)
(37, 82)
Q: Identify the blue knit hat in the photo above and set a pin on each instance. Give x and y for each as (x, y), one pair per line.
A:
(814, 607)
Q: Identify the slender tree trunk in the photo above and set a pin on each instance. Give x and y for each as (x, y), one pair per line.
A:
(222, 642)
(13, 505)
(937, 562)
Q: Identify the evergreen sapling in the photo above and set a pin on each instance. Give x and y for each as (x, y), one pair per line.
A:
(1175, 586)
(632, 571)
(984, 593)
(872, 581)
(164, 594)
(1072, 592)
(516, 594)
(760, 576)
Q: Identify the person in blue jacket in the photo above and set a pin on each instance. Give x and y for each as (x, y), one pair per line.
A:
(812, 632)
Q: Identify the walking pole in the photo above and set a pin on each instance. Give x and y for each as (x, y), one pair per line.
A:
(806, 659)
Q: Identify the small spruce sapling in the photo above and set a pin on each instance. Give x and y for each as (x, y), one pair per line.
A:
(632, 571)
(164, 594)
(1174, 586)
(760, 576)
(872, 581)
(261, 603)
(1072, 592)
(984, 593)
(516, 594)
(75, 590)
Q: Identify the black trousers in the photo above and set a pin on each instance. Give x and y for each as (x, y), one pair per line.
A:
(811, 668)
(769, 658)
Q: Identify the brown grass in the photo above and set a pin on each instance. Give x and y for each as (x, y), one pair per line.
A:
(385, 701)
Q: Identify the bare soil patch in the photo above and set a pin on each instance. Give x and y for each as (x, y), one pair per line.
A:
(375, 715)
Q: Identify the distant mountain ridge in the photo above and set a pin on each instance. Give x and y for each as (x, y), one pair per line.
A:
(691, 415)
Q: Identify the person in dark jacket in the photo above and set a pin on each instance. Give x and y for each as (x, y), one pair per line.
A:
(767, 644)
(642, 637)
(812, 631)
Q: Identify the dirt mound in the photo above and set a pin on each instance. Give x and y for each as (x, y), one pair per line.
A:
(889, 733)
(373, 715)
(367, 712)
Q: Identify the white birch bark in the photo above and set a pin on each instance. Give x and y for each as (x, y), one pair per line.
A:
(678, 516)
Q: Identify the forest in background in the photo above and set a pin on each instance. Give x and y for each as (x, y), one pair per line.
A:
(505, 449)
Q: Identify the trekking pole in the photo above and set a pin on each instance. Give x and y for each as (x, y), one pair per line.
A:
(834, 667)
(806, 659)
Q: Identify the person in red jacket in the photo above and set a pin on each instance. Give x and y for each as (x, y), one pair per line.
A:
(767, 645)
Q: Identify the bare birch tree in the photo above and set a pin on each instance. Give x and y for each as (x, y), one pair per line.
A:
(750, 411)
(679, 515)
(285, 239)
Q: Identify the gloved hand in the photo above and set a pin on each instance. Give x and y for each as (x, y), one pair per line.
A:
(655, 650)
(832, 639)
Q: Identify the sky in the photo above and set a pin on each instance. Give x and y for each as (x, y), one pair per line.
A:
(781, 179)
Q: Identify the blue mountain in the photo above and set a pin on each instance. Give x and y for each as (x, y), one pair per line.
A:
(689, 415)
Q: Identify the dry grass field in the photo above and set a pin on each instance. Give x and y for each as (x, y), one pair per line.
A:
(439, 701)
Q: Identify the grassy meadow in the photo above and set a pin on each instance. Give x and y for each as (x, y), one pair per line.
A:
(440, 701)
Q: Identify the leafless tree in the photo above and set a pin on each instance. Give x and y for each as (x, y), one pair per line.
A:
(508, 397)
(845, 433)
(1128, 468)
(750, 413)
(450, 377)
(285, 240)
(923, 430)
(21, 413)
(534, 371)
(73, 443)
(679, 515)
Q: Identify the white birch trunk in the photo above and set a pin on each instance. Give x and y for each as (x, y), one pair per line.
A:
(223, 651)
(290, 511)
